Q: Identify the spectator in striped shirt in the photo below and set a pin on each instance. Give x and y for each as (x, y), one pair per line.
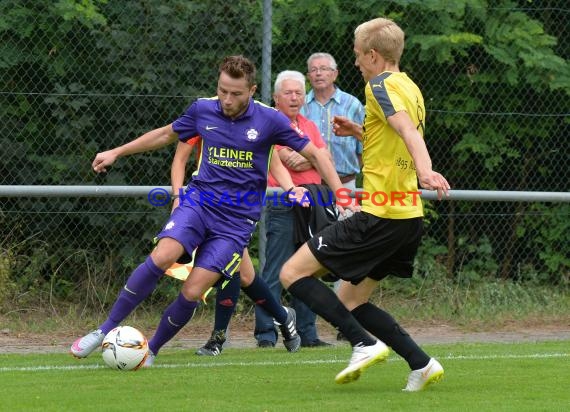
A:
(326, 100)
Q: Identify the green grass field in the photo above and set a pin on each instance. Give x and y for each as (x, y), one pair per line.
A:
(482, 377)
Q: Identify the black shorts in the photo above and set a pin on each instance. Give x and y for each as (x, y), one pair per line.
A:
(368, 246)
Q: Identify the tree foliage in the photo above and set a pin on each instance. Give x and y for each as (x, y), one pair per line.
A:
(79, 76)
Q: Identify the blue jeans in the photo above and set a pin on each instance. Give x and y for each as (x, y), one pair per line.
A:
(279, 226)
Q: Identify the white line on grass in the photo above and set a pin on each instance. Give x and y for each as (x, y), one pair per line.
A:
(265, 363)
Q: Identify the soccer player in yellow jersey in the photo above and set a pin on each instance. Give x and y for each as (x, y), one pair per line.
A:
(384, 237)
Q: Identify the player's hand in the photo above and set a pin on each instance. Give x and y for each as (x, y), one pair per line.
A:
(343, 126)
(353, 207)
(102, 160)
(435, 181)
(297, 196)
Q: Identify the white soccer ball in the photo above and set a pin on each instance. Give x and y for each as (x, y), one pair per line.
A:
(124, 348)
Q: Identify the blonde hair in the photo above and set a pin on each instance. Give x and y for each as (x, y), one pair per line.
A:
(382, 35)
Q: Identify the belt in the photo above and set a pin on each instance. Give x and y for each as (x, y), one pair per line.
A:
(347, 178)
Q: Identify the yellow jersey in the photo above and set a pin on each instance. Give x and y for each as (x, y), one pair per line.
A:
(390, 186)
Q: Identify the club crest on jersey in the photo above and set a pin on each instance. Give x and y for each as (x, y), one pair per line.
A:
(252, 134)
(296, 128)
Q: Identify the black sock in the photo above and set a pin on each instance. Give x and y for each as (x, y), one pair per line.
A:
(323, 301)
(226, 300)
(259, 292)
(382, 325)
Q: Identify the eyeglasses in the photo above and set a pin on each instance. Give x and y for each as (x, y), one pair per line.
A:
(321, 69)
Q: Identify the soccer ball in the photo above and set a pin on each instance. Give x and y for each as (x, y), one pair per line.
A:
(124, 348)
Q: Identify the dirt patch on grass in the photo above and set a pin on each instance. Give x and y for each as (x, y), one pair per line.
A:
(241, 335)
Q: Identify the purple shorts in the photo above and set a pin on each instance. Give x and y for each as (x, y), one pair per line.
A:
(219, 237)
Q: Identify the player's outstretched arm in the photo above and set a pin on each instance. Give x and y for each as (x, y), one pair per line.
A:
(178, 168)
(427, 177)
(152, 140)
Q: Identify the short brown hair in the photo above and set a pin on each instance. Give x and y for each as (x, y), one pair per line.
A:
(238, 67)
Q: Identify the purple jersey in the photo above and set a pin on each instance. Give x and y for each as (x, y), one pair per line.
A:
(235, 154)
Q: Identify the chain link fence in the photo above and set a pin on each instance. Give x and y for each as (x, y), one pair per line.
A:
(78, 77)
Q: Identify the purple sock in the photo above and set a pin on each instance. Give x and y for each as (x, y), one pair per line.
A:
(259, 292)
(173, 319)
(140, 284)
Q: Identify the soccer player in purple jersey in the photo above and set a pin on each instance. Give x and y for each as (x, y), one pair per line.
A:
(228, 293)
(222, 203)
